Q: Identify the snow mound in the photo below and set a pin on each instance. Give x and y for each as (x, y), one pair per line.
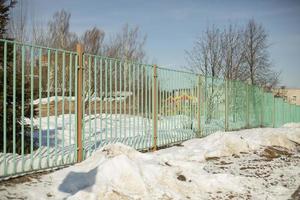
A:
(120, 172)
(113, 150)
(291, 125)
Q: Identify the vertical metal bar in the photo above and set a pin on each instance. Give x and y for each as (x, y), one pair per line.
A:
(158, 93)
(110, 99)
(142, 105)
(31, 103)
(106, 98)
(101, 100)
(63, 106)
(226, 104)
(56, 99)
(120, 99)
(125, 95)
(262, 107)
(95, 102)
(150, 86)
(4, 105)
(79, 48)
(199, 107)
(84, 100)
(14, 108)
(89, 101)
(48, 107)
(115, 101)
(154, 107)
(23, 99)
(274, 111)
(129, 102)
(40, 108)
(138, 105)
(76, 70)
(70, 100)
(146, 107)
(247, 107)
(283, 108)
(133, 102)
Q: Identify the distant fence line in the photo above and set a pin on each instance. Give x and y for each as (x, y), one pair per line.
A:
(58, 106)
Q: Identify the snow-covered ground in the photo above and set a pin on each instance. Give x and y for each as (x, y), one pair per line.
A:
(261, 163)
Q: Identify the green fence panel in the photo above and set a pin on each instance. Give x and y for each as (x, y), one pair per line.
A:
(37, 82)
(38, 103)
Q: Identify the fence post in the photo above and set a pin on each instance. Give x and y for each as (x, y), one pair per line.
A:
(226, 104)
(79, 49)
(154, 108)
(248, 108)
(199, 106)
(262, 107)
(273, 111)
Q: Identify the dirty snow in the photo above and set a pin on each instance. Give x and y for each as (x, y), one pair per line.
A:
(262, 163)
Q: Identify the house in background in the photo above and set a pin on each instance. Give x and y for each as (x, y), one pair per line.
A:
(291, 95)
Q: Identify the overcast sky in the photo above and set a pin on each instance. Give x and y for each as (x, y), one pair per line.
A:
(172, 26)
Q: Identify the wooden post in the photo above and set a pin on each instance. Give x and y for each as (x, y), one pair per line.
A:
(199, 106)
(154, 108)
(79, 49)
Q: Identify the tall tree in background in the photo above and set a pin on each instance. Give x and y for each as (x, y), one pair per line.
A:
(93, 41)
(19, 137)
(18, 26)
(256, 55)
(59, 34)
(206, 57)
(128, 44)
(233, 53)
(238, 53)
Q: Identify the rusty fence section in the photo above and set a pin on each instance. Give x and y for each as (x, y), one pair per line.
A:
(58, 107)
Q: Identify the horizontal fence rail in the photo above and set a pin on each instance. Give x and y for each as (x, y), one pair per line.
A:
(57, 106)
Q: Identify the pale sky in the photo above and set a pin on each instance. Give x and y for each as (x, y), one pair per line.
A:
(172, 26)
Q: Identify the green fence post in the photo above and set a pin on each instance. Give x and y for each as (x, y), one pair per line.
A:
(226, 104)
(274, 111)
(199, 106)
(248, 108)
(262, 107)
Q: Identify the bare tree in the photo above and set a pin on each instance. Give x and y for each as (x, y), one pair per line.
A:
(59, 31)
(256, 54)
(18, 24)
(206, 57)
(233, 53)
(93, 40)
(93, 44)
(128, 44)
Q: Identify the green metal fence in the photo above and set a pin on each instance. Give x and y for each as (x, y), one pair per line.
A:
(144, 106)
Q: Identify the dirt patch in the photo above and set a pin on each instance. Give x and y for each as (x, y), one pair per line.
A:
(212, 158)
(24, 179)
(272, 152)
(296, 194)
(181, 177)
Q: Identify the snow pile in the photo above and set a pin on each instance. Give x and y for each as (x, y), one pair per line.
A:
(291, 125)
(119, 172)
